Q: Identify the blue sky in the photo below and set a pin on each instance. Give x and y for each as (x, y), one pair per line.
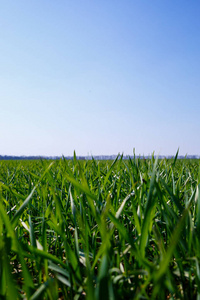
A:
(99, 77)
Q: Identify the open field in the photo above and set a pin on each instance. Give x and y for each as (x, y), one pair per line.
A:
(123, 229)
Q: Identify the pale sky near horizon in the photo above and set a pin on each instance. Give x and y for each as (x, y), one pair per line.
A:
(99, 77)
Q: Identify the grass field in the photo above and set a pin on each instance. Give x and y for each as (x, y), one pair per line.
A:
(126, 229)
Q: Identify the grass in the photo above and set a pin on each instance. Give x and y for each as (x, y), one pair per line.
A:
(100, 229)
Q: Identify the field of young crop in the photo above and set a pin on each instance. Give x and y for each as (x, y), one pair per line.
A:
(123, 229)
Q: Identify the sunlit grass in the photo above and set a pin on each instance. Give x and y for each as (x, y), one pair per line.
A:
(100, 229)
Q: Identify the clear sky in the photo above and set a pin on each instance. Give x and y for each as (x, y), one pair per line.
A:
(99, 77)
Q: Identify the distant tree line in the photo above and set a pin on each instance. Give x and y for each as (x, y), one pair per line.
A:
(97, 157)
